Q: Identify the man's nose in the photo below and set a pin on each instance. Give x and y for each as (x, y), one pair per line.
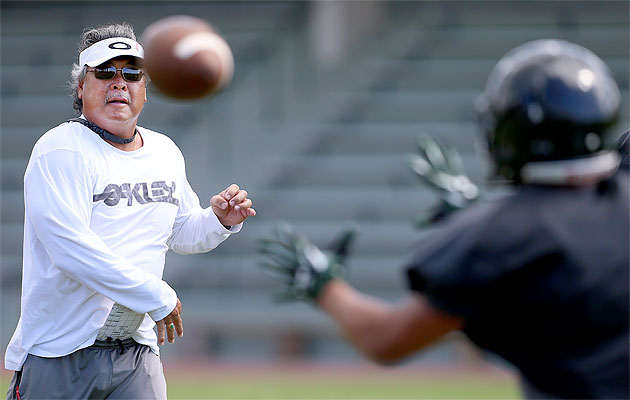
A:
(118, 82)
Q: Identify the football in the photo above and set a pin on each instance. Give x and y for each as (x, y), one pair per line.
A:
(186, 58)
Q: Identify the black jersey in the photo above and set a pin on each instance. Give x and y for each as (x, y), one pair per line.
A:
(541, 279)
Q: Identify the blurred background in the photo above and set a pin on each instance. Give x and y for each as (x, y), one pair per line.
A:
(326, 99)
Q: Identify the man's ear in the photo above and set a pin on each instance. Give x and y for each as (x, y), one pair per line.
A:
(80, 90)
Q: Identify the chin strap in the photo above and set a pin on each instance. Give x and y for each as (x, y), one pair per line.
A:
(103, 133)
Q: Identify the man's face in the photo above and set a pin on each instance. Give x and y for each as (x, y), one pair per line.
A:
(116, 100)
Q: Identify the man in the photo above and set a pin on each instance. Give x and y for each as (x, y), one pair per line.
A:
(538, 277)
(104, 201)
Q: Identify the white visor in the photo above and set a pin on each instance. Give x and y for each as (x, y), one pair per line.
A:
(107, 49)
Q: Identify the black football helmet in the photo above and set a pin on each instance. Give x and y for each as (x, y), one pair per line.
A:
(549, 100)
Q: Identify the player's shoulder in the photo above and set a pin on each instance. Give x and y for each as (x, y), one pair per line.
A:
(482, 215)
(487, 225)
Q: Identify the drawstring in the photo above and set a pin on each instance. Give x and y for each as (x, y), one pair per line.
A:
(119, 342)
(122, 348)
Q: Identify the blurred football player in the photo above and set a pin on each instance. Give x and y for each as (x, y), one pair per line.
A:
(538, 277)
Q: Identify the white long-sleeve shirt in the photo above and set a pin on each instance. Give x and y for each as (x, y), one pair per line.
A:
(98, 224)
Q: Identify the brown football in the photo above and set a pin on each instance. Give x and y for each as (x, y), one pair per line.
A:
(186, 58)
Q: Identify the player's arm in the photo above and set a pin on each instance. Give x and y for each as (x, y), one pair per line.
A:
(385, 332)
(382, 331)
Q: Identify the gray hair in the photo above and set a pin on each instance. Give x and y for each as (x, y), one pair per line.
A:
(88, 38)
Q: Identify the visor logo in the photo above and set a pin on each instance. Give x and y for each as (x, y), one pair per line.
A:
(120, 46)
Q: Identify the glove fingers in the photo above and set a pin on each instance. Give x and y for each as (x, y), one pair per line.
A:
(277, 271)
(421, 144)
(340, 246)
(275, 243)
(338, 270)
(277, 252)
(455, 164)
(424, 171)
(287, 261)
(418, 164)
(266, 246)
(281, 261)
(431, 150)
(285, 233)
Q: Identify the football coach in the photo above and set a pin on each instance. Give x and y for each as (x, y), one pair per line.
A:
(105, 199)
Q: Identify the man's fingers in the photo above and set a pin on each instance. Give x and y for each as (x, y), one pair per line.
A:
(231, 190)
(176, 324)
(161, 332)
(238, 197)
(219, 202)
(179, 327)
(170, 324)
(170, 332)
(243, 205)
(173, 325)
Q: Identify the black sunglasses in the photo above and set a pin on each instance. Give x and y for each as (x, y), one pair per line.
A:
(129, 74)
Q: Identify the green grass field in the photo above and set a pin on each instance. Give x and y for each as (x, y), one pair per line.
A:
(338, 388)
(336, 384)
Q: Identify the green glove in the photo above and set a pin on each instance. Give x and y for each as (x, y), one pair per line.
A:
(303, 267)
(440, 168)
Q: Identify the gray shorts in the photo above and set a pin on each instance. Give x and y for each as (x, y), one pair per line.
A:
(125, 370)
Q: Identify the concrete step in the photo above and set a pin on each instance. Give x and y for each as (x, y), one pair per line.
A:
(492, 42)
(12, 174)
(373, 237)
(434, 73)
(389, 138)
(508, 13)
(361, 171)
(70, 17)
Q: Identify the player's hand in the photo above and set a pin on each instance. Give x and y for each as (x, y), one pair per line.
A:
(440, 168)
(232, 206)
(301, 265)
(170, 324)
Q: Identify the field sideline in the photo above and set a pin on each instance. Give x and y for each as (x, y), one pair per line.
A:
(204, 380)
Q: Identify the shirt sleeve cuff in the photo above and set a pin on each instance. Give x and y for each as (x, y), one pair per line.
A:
(171, 302)
(222, 229)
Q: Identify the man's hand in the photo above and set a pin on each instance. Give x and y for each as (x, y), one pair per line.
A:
(300, 264)
(440, 168)
(232, 206)
(170, 324)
